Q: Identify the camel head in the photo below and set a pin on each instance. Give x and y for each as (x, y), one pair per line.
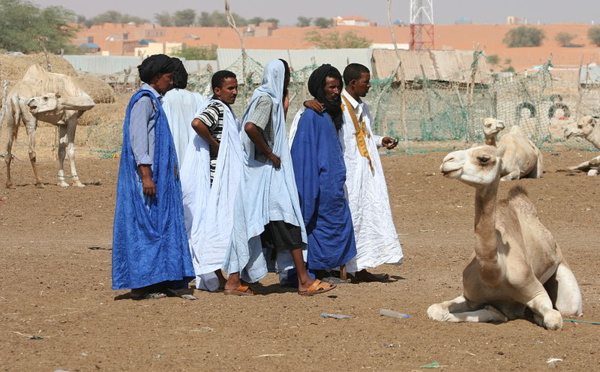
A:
(582, 128)
(477, 166)
(55, 103)
(492, 126)
(46, 103)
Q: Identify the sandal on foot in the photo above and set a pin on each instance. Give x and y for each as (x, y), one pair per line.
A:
(317, 287)
(242, 290)
(148, 296)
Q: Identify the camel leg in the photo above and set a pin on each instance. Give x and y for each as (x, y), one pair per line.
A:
(564, 291)
(62, 145)
(462, 310)
(538, 171)
(514, 175)
(71, 127)
(31, 128)
(12, 129)
(541, 305)
(586, 165)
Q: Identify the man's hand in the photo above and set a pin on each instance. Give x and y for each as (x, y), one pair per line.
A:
(148, 186)
(275, 160)
(389, 143)
(214, 149)
(315, 105)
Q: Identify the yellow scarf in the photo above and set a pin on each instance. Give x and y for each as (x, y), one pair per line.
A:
(360, 129)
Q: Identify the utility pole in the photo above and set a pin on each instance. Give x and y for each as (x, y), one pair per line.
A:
(421, 24)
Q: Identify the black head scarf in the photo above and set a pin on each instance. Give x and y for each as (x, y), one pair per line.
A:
(180, 76)
(316, 83)
(156, 64)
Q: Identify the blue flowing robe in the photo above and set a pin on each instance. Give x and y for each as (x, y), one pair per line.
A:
(149, 238)
(320, 176)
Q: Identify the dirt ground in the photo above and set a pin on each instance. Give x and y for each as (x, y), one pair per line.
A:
(58, 311)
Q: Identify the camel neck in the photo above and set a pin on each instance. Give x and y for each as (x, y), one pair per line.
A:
(485, 221)
(594, 137)
(490, 141)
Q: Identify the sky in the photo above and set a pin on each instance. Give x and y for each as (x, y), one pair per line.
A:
(288, 11)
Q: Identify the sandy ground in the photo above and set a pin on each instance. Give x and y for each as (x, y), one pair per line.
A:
(58, 311)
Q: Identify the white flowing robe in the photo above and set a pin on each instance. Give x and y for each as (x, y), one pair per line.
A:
(209, 210)
(269, 194)
(180, 106)
(377, 242)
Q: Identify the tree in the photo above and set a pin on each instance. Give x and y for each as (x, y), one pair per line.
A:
(218, 19)
(184, 18)
(323, 22)
(333, 40)
(164, 19)
(524, 36)
(564, 38)
(272, 20)
(303, 22)
(493, 59)
(26, 28)
(112, 16)
(593, 35)
(196, 53)
(255, 20)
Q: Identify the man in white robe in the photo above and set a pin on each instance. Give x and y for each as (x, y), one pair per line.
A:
(210, 178)
(377, 242)
(180, 106)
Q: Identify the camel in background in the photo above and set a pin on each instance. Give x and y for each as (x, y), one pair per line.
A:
(50, 97)
(586, 128)
(517, 264)
(520, 157)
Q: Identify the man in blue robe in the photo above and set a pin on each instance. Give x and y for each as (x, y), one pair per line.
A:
(150, 249)
(320, 175)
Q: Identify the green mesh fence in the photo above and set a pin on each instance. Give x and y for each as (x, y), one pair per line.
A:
(542, 101)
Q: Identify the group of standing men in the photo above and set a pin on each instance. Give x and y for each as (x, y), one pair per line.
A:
(238, 196)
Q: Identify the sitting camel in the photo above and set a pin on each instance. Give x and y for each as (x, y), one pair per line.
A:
(521, 157)
(586, 128)
(50, 97)
(491, 128)
(517, 263)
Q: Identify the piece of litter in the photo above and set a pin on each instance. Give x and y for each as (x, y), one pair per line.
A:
(269, 355)
(189, 297)
(431, 365)
(552, 361)
(335, 316)
(393, 314)
(36, 338)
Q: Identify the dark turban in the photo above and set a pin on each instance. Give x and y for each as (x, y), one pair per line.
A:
(316, 83)
(180, 76)
(153, 65)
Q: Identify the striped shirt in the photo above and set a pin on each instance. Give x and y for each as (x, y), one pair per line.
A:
(212, 117)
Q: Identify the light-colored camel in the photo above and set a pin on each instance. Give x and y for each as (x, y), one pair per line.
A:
(491, 128)
(517, 264)
(521, 157)
(586, 128)
(53, 98)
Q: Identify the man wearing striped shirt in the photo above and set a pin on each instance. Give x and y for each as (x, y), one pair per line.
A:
(209, 123)
(209, 193)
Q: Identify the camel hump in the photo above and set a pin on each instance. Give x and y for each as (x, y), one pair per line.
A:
(516, 192)
(519, 201)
